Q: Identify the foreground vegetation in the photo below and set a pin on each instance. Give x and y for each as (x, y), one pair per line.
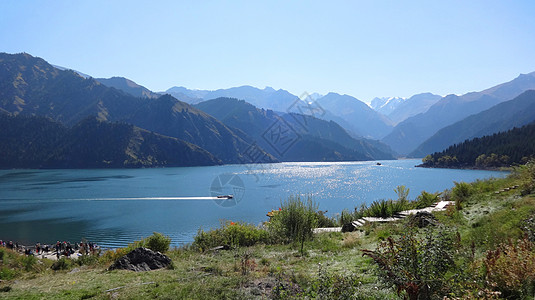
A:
(480, 248)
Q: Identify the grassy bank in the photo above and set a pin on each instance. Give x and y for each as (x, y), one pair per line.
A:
(478, 249)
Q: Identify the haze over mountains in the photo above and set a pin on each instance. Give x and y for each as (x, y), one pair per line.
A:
(319, 139)
(412, 132)
(225, 124)
(501, 117)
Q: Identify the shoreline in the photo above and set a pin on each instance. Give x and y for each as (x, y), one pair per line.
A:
(496, 169)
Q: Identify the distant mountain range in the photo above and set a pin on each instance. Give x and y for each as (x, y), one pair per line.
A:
(501, 117)
(267, 98)
(413, 106)
(386, 105)
(316, 139)
(412, 132)
(29, 86)
(330, 127)
(352, 114)
(362, 119)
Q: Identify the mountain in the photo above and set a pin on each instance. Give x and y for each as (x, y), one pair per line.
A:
(416, 104)
(78, 72)
(128, 86)
(313, 139)
(386, 105)
(347, 111)
(410, 133)
(502, 149)
(171, 117)
(31, 86)
(358, 116)
(39, 142)
(267, 98)
(501, 117)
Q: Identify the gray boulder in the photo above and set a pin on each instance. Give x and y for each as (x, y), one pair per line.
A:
(141, 259)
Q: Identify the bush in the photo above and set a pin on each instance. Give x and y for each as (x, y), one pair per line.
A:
(7, 273)
(416, 266)
(87, 260)
(426, 199)
(460, 193)
(158, 242)
(334, 286)
(348, 217)
(113, 255)
(231, 234)
(386, 208)
(379, 209)
(295, 222)
(402, 192)
(61, 264)
(511, 269)
(28, 262)
(155, 242)
(526, 173)
(324, 221)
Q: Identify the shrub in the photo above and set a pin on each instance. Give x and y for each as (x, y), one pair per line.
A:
(324, 221)
(61, 264)
(333, 286)
(155, 242)
(526, 173)
(416, 266)
(426, 199)
(295, 221)
(7, 273)
(386, 208)
(87, 260)
(231, 234)
(158, 242)
(379, 209)
(402, 192)
(348, 217)
(460, 193)
(113, 255)
(510, 268)
(28, 262)
(528, 227)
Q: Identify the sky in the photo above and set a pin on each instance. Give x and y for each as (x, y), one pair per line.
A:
(365, 49)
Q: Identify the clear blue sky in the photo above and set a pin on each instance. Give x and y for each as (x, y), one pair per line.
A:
(361, 48)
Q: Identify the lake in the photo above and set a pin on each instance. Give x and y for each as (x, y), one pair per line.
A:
(113, 207)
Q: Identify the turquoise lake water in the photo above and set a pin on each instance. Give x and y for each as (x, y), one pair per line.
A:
(115, 207)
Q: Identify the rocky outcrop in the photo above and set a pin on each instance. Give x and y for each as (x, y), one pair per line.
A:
(141, 259)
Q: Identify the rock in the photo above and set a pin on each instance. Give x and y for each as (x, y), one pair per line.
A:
(141, 259)
(422, 219)
(349, 227)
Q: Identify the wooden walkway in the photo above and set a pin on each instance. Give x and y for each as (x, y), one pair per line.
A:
(440, 206)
